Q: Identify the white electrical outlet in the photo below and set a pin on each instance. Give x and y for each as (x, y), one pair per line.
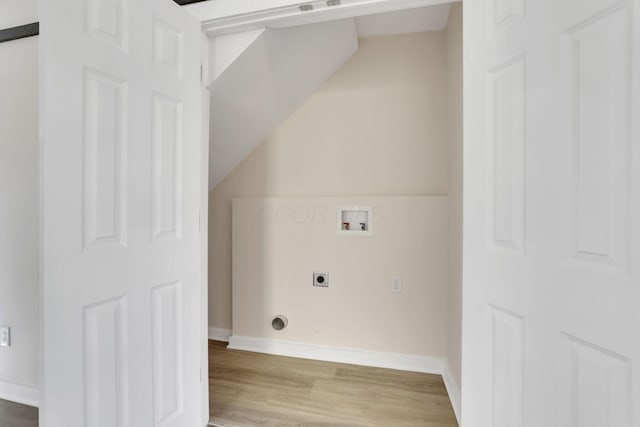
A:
(5, 336)
(396, 285)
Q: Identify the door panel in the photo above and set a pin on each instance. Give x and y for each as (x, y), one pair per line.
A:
(121, 167)
(552, 213)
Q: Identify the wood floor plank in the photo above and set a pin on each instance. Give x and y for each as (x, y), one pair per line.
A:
(252, 389)
(380, 395)
(232, 416)
(411, 381)
(288, 365)
(267, 379)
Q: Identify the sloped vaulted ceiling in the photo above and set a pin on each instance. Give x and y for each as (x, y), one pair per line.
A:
(258, 77)
(274, 74)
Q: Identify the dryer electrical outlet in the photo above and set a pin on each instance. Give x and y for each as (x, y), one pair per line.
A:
(321, 279)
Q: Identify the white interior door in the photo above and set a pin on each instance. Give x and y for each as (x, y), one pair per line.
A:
(552, 213)
(121, 181)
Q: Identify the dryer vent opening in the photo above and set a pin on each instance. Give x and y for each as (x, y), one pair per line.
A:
(279, 322)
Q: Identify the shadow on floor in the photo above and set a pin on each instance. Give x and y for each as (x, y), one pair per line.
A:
(17, 415)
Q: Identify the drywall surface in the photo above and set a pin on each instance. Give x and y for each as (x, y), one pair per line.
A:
(19, 216)
(378, 126)
(225, 49)
(429, 18)
(266, 82)
(14, 13)
(454, 68)
(278, 243)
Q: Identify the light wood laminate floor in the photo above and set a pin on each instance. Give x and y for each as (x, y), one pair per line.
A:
(17, 415)
(252, 389)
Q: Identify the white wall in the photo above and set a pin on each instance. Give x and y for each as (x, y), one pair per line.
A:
(278, 243)
(453, 41)
(19, 206)
(378, 126)
(14, 13)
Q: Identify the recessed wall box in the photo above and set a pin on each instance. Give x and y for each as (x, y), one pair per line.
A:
(355, 221)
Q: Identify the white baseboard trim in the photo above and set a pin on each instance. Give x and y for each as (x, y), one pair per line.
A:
(404, 362)
(219, 334)
(25, 394)
(453, 389)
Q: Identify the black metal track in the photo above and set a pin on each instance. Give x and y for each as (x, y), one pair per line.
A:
(186, 2)
(20, 32)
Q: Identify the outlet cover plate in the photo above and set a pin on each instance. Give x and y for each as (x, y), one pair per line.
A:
(5, 336)
(396, 284)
